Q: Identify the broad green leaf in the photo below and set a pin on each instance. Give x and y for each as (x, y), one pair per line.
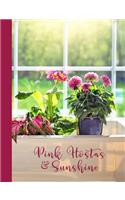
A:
(23, 95)
(39, 99)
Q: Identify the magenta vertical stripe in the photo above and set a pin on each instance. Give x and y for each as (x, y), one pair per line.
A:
(5, 102)
(0, 101)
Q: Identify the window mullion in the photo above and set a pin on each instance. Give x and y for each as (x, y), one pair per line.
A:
(65, 64)
(114, 52)
(39, 68)
(114, 57)
(89, 68)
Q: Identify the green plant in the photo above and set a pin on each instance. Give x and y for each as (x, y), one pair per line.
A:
(92, 98)
(65, 125)
(46, 108)
(46, 104)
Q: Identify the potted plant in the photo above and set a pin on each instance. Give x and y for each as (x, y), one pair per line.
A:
(91, 102)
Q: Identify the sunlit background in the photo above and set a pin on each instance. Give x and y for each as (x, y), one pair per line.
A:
(77, 46)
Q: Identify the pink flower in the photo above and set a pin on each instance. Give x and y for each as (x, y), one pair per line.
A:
(86, 87)
(57, 75)
(61, 76)
(75, 82)
(50, 75)
(106, 80)
(91, 76)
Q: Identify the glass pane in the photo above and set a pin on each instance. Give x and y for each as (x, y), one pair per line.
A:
(90, 43)
(41, 43)
(120, 94)
(34, 81)
(121, 43)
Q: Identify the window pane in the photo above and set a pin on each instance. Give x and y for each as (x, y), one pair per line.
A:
(90, 43)
(41, 43)
(120, 94)
(121, 43)
(34, 81)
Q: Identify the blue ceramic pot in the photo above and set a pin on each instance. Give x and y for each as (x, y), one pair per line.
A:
(90, 126)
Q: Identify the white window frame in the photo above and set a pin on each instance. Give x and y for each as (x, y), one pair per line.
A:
(113, 68)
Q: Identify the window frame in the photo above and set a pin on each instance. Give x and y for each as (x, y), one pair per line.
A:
(113, 68)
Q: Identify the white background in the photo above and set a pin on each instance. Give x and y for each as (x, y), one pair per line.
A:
(70, 9)
(62, 9)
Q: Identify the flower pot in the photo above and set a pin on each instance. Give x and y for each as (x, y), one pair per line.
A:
(90, 126)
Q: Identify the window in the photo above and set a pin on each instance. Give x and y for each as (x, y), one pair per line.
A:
(77, 46)
(90, 43)
(40, 43)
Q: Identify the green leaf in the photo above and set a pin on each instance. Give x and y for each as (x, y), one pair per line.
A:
(23, 95)
(49, 107)
(39, 99)
(35, 110)
(54, 100)
(65, 125)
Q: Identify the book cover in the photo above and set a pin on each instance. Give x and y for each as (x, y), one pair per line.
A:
(62, 108)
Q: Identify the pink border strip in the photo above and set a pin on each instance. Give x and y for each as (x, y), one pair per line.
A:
(5, 100)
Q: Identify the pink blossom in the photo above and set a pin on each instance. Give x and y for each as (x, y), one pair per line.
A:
(86, 87)
(75, 82)
(106, 80)
(91, 76)
(57, 75)
(50, 75)
(61, 76)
